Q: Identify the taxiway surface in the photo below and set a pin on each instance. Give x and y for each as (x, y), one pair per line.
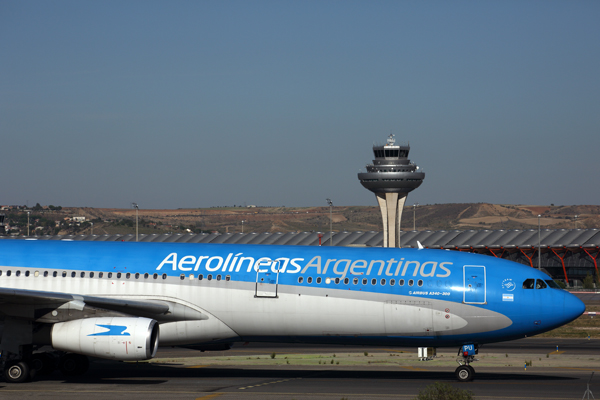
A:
(175, 378)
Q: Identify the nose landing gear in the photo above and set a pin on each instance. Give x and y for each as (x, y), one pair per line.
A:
(466, 355)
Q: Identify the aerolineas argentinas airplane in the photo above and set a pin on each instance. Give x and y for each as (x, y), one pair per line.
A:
(121, 300)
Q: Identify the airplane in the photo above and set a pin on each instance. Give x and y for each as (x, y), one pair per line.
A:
(122, 300)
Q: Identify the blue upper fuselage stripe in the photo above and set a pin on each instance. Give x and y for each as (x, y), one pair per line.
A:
(440, 272)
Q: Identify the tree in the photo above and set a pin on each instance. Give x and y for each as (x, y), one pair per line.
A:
(588, 281)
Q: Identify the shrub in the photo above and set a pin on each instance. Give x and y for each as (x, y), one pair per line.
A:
(443, 391)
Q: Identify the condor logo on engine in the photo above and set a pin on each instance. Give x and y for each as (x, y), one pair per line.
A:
(113, 330)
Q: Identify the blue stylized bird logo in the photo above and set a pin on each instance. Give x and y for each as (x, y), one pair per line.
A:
(113, 330)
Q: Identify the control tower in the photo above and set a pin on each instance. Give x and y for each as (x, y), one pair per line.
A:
(391, 177)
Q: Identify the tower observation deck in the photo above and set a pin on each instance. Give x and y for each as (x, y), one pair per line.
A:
(391, 177)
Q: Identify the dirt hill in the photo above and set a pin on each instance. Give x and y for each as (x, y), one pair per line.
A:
(288, 219)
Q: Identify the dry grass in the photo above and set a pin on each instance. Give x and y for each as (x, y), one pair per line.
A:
(582, 327)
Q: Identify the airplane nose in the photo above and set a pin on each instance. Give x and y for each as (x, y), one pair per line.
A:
(573, 307)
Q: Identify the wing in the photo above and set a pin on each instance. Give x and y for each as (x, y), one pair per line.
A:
(35, 304)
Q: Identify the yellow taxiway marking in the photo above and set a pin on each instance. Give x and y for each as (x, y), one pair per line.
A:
(197, 366)
(267, 383)
(210, 396)
(557, 352)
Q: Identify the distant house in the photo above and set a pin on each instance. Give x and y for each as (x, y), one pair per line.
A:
(78, 219)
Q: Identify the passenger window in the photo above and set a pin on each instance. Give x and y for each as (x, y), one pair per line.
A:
(309, 279)
(337, 281)
(529, 284)
(146, 275)
(540, 284)
(228, 278)
(383, 282)
(73, 274)
(164, 276)
(101, 275)
(55, 274)
(137, 275)
(401, 282)
(319, 279)
(91, 274)
(182, 276)
(355, 281)
(64, 274)
(373, 281)
(411, 282)
(218, 277)
(155, 276)
(346, 281)
(200, 277)
(392, 282)
(109, 275)
(118, 275)
(365, 280)
(300, 279)
(128, 275)
(82, 275)
(209, 277)
(45, 274)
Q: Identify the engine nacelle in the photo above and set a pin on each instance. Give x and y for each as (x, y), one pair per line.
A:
(118, 338)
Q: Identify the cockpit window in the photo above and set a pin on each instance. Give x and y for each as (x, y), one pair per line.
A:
(552, 284)
(540, 284)
(529, 284)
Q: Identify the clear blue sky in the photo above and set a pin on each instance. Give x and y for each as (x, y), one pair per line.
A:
(207, 103)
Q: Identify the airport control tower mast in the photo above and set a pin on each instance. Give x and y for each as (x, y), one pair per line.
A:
(391, 177)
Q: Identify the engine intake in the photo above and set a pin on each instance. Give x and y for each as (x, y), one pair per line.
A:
(118, 338)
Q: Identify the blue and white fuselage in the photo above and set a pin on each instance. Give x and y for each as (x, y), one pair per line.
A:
(227, 293)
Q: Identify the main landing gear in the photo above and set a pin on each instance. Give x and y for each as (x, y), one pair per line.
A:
(466, 355)
(40, 364)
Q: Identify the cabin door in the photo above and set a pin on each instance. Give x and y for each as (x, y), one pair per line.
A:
(267, 278)
(474, 284)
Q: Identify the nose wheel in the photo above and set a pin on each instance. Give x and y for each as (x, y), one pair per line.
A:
(465, 373)
(466, 355)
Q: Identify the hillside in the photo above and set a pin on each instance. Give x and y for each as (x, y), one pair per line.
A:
(287, 219)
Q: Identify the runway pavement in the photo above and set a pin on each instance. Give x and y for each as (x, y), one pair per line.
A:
(182, 374)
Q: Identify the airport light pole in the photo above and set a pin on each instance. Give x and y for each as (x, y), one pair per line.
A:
(576, 221)
(92, 227)
(28, 223)
(330, 222)
(136, 220)
(243, 226)
(539, 244)
(415, 216)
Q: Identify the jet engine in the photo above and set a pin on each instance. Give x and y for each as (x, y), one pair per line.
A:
(117, 338)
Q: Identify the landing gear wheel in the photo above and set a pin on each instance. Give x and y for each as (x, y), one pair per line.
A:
(17, 371)
(42, 363)
(465, 373)
(74, 364)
